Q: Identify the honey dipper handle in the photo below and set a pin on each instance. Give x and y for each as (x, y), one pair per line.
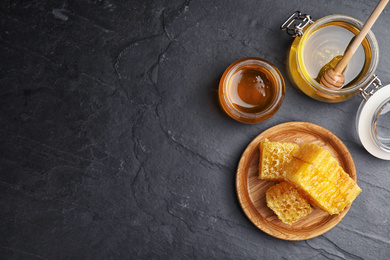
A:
(360, 37)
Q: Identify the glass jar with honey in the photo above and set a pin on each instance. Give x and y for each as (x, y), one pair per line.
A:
(319, 44)
(251, 90)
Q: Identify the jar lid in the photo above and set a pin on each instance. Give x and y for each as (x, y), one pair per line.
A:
(373, 122)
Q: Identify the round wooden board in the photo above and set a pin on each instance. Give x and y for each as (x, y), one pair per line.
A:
(251, 190)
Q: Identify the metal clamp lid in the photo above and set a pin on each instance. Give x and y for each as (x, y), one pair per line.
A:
(295, 24)
(376, 83)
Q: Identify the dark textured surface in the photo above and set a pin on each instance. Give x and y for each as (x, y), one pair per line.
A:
(113, 144)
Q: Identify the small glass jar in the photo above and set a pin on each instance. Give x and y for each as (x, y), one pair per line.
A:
(316, 43)
(251, 90)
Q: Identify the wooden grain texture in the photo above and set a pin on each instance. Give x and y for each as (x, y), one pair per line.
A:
(251, 190)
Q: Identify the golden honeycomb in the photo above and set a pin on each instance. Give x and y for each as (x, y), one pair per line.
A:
(287, 203)
(319, 177)
(273, 157)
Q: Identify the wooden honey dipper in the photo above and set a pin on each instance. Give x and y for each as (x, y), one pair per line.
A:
(334, 78)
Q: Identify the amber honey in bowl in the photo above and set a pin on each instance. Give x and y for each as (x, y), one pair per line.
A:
(251, 90)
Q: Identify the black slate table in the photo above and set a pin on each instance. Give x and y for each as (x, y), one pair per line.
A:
(113, 145)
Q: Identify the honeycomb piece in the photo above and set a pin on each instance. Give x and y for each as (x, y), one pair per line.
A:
(273, 157)
(321, 179)
(312, 153)
(286, 202)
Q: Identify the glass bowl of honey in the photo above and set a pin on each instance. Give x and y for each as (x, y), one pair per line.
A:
(318, 44)
(251, 90)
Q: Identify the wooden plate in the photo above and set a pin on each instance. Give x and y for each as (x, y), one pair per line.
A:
(251, 190)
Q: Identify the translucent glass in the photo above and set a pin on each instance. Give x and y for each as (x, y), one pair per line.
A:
(381, 125)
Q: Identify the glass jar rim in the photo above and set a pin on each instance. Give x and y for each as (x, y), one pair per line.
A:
(374, 48)
(280, 85)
